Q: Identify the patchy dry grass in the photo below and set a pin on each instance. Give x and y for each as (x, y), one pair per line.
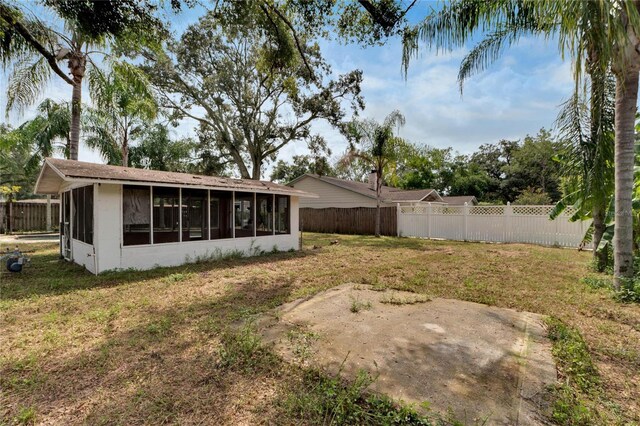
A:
(149, 347)
(395, 299)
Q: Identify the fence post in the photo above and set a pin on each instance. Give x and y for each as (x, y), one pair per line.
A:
(556, 236)
(465, 215)
(397, 219)
(508, 213)
(49, 213)
(10, 218)
(429, 214)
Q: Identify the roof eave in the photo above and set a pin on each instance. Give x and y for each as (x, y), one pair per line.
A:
(39, 182)
(78, 181)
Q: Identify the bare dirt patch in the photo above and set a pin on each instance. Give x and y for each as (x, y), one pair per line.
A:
(479, 362)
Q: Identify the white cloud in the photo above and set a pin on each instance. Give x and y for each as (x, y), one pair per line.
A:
(514, 97)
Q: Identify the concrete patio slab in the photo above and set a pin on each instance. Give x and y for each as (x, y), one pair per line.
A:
(481, 363)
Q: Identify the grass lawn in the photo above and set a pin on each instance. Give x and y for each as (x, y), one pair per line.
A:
(153, 347)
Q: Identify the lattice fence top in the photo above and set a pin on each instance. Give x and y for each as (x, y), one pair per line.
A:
(531, 210)
(487, 210)
(418, 209)
(447, 210)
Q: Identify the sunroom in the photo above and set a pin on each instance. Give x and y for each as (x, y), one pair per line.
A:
(115, 217)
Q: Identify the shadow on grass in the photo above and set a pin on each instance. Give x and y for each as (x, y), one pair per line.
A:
(164, 369)
(49, 275)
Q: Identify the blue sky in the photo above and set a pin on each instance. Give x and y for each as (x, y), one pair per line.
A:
(517, 96)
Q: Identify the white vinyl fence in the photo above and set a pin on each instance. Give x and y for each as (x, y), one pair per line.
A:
(505, 224)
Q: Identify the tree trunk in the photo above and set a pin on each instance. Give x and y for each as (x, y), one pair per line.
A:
(8, 212)
(74, 134)
(77, 64)
(378, 191)
(125, 151)
(256, 171)
(599, 226)
(626, 98)
(48, 213)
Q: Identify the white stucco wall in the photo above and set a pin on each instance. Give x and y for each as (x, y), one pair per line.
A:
(331, 196)
(174, 254)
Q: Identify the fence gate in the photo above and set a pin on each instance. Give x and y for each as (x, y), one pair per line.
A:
(505, 224)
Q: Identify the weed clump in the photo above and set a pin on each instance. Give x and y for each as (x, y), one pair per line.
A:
(579, 374)
(628, 293)
(320, 399)
(357, 305)
(243, 350)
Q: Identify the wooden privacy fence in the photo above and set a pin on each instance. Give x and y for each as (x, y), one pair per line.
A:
(507, 224)
(358, 220)
(28, 216)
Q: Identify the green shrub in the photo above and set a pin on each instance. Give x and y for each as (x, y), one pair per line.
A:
(629, 292)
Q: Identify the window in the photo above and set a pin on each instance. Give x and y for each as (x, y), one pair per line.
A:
(221, 214)
(194, 215)
(244, 214)
(166, 219)
(282, 214)
(83, 214)
(136, 215)
(264, 214)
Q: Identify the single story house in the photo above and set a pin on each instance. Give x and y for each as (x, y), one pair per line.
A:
(115, 217)
(343, 193)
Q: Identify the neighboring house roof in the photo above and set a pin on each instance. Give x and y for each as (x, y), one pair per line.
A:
(459, 200)
(388, 193)
(57, 171)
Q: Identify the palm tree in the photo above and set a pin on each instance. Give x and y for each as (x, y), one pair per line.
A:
(586, 124)
(50, 131)
(376, 145)
(610, 28)
(42, 51)
(34, 51)
(124, 106)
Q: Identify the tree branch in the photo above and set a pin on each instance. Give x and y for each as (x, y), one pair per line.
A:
(387, 23)
(295, 37)
(8, 17)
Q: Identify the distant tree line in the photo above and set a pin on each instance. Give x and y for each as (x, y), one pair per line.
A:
(526, 171)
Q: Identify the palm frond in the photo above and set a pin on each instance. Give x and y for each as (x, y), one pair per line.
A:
(26, 83)
(455, 23)
(488, 51)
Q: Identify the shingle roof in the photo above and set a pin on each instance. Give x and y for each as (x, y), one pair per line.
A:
(69, 170)
(388, 193)
(459, 200)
